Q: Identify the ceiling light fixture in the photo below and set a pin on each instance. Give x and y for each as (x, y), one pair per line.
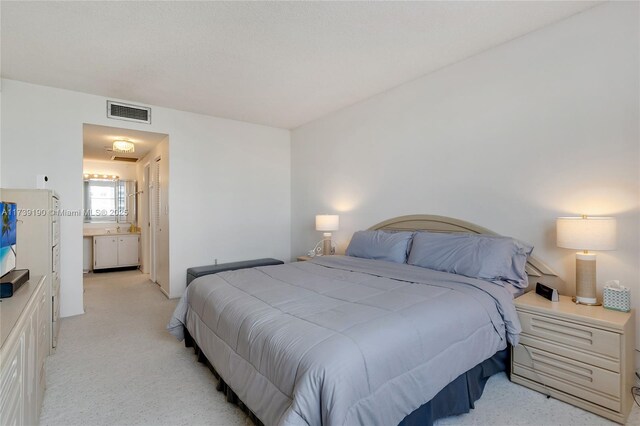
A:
(123, 146)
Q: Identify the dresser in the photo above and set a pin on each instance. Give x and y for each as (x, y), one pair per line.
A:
(583, 355)
(24, 347)
(39, 244)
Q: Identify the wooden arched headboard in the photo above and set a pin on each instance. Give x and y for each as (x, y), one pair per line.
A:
(536, 270)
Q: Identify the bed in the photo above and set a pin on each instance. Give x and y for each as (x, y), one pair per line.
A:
(343, 340)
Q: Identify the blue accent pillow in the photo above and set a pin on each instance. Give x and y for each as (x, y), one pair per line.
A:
(380, 245)
(487, 257)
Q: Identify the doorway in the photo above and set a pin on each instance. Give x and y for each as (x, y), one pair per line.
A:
(125, 183)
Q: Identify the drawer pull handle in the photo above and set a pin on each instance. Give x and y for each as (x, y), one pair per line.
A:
(580, 335)
(552, 364)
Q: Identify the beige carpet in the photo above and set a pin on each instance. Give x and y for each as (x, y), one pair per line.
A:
(116, 365)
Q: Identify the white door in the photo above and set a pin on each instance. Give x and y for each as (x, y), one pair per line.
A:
(105, 252)
(162, 228)
(128, 250)
(154, 218)
(145, 221)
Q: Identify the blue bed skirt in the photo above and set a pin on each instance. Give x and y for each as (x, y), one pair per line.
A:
(458, 397)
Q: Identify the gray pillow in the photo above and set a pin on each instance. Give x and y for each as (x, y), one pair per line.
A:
(380, 245)
(492, 258)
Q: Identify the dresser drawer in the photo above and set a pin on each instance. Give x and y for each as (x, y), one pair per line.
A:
(55, 233)
(568, 334)
(11, 385)
(585, 381)
(55, 258)
(602, 361)
(43, 344)
(42, 377)
(55, 310)
(11, 410)
(43, 309)
(55, 283)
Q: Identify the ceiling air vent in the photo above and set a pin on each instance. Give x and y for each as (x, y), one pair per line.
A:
(126, 159)
(121, 111)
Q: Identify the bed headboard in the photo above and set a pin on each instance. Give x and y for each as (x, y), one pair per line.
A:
(536, 269)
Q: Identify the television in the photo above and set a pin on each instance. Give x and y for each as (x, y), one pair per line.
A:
(8, 246)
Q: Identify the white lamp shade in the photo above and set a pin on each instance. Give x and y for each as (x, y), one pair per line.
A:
(586, 233)
(327, 222)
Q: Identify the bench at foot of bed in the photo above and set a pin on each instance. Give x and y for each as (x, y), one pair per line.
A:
(199, 271)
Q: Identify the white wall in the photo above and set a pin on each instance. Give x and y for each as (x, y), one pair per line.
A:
(230, 181)
(126, 171)
(540, 127)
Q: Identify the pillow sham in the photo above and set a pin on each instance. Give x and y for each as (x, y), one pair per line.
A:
(493, 258)
(380, 245)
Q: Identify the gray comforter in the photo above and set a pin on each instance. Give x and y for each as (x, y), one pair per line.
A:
(341, 340)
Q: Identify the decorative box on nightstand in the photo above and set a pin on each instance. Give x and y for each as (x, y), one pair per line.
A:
(583, 355)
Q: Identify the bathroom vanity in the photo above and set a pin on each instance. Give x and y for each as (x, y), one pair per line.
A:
(107, 249)
(110, 209)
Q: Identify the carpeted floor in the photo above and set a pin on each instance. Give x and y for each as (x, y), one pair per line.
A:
(116, 365)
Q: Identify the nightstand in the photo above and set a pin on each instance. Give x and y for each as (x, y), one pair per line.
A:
(582, 355)
(303, 258)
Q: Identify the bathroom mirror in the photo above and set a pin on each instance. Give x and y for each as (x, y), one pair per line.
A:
(110, 200)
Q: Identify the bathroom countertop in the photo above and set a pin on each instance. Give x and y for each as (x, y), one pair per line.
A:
(101, 232)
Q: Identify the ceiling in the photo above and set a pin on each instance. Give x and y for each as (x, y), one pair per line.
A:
(97, 139)
(275, 63)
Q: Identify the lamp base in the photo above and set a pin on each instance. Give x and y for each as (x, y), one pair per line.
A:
(579, 302)
(586, 279)
(326, 245)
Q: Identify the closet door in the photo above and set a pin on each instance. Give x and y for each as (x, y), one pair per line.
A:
(154, 218)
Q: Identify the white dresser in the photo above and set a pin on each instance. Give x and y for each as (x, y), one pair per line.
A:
(25, 322)
(39, 244)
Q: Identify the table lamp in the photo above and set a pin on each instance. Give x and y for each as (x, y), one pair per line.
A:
(327, 223)
(586, 233)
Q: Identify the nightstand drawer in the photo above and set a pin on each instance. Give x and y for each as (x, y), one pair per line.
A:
(585, 381)
(573, 335)
(602, 361)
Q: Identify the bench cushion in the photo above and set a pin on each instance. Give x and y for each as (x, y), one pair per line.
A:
(199, 271)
